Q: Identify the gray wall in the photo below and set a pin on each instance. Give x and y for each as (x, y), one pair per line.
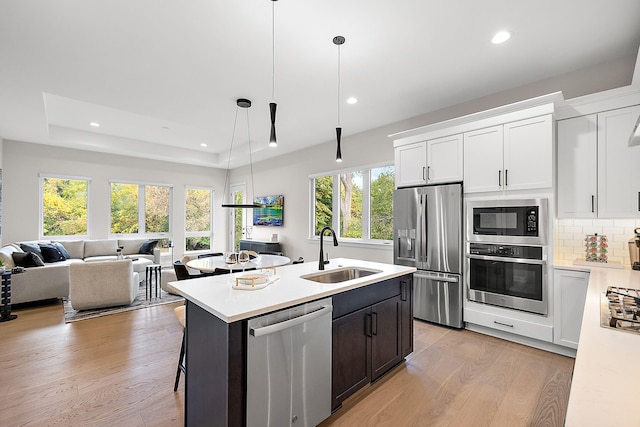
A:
(287, 174)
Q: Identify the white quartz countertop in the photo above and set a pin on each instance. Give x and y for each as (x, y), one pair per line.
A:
(217, 295)
(604, 388)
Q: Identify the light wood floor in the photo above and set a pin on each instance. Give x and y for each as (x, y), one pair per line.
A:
(118, 370)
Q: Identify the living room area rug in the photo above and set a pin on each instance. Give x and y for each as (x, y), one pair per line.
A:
(71, 315)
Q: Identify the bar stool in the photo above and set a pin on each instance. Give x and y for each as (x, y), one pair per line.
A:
(181, 315)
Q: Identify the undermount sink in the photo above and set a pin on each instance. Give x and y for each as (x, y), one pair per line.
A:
(340, 275)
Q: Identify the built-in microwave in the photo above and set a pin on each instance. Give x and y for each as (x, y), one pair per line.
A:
(521, 221)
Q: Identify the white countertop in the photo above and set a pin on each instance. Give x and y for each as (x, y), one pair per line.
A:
(216, 294)
(605, 387)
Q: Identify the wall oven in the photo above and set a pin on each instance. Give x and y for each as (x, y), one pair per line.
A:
(511, 276)
(507, 253)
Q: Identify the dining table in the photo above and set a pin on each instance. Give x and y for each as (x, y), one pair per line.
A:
(209, 264)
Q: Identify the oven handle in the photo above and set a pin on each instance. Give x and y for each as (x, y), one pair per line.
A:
(506, 259)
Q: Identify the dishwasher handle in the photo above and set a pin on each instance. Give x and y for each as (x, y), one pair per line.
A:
(277, 327)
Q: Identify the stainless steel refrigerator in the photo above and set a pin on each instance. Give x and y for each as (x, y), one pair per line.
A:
(427, 223)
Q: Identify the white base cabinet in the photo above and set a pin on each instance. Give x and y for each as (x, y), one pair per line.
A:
(569, 295)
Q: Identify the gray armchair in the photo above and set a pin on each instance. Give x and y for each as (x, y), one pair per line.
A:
(102, 284)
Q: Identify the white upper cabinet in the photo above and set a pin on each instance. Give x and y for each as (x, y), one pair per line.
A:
(528, 154)
(578, 167)
(497, 150)
(411, 164)
(444, 159)
(618, 164)
(483, 160)
(514, 156)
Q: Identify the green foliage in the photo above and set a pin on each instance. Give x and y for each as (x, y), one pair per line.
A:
(382, 206)
(353, 227)
(324, 201)
(156, 204)
(198, 210)
(124, 208)
(380, 209)
(238, 198)
(64, 207)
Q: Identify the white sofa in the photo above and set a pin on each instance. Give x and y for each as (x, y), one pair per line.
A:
(52, 280)
(102, 284)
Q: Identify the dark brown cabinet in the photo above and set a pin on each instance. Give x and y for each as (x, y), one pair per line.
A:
(261, 247)
(372, 333)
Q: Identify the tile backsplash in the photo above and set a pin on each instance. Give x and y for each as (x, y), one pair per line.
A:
(569, 236)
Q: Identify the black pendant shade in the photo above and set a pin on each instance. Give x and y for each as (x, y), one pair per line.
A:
(272, 138)
(339, 151)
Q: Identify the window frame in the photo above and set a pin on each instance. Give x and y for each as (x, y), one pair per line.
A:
(335, 208)
(141, 211)
(209, 233)
(41, 178)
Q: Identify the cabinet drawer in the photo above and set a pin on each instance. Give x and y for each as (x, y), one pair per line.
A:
(355, 299)
(508, 324)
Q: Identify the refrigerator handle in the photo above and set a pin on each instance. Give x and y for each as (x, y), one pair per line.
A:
(450, 279)
(425, 234)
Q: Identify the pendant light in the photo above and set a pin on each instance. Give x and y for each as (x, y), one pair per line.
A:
(273, 142)
(338, 41)
(246, 104)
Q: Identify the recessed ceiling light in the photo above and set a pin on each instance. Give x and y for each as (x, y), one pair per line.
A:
(501, 37)
(94, 124)
(352, 100)
(203, 145)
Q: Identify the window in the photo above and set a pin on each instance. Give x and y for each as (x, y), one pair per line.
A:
(140, 209)
(198, 219)
(64, 206)
(357, 204)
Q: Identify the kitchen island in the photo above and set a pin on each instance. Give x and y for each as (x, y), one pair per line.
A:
(604, 388)
(217, 315)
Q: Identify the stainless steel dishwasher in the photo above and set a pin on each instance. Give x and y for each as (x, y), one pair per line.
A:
(289, 366)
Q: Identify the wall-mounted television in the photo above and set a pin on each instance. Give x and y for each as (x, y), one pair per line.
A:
(271, 214)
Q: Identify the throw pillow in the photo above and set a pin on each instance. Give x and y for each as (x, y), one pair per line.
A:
(50, 253)
(148, 247)
(62, 250)
(27, 259)
(32, 247)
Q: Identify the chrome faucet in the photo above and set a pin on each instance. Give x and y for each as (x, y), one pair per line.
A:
(335, 243)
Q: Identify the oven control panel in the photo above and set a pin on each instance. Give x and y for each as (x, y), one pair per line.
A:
(506, 251)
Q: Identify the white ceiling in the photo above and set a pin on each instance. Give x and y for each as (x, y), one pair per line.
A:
(162, 76)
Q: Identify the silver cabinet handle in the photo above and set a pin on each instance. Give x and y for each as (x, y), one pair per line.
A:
(277, 327)
(428, 173)
(424, 169)
(502, 324)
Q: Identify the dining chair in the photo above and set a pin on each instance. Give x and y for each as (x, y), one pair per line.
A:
(181, 315)
(182, 273)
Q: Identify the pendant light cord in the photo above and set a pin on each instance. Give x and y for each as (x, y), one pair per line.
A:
(253, 194)
(233, 134)
(338, 86)
(273, 49)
